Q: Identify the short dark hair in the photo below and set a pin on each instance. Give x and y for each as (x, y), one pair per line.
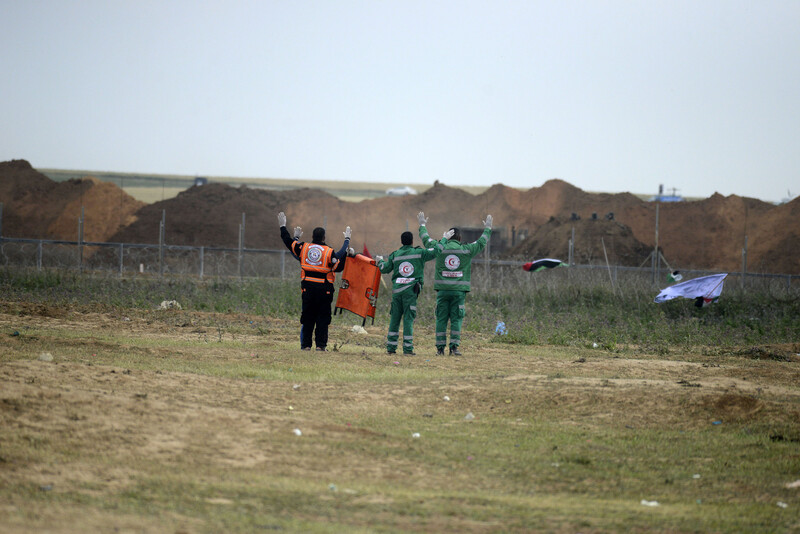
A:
(318, 235)
(406, 238)
(456, 234)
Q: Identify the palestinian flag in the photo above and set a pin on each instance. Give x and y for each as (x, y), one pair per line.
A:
(544, 263)
(674, 276)
(703, 290)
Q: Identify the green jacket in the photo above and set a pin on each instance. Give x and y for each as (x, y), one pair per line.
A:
(407, 265)
(454, 260)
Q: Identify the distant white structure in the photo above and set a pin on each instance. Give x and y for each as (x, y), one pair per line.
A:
(401, 191)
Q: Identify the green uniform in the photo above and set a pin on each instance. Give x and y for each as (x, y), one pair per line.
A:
(452, 282)
(407, 265)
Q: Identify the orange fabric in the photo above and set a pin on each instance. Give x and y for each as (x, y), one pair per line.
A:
(316, 259)
(358, 292)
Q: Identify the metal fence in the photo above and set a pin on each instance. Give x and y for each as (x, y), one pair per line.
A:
(129, 259)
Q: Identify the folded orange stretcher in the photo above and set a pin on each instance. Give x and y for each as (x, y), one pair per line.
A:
(358, 291)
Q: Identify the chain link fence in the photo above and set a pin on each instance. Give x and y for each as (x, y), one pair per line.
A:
(129, 259)
(125, 259)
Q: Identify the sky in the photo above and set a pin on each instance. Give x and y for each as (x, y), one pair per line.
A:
(613, 96)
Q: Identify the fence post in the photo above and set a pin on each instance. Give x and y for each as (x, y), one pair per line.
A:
(487, 269)
(202, 261)
(161, 243)
(744, 261)
(241, 246)
(39, 256)
(80, 241)
(571, 251)
(656, 261)
(121, 255)
(283, 264)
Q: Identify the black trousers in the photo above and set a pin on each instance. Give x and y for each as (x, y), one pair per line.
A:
(316, 314)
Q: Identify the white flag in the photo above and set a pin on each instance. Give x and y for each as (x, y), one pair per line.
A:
(707, 288)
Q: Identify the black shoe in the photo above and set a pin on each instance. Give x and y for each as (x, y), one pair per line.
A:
(440, 351)
(454, 351)
(305, 348)
(320, 349)
(391, 352)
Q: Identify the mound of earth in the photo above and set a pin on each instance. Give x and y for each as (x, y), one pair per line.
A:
(706, 234)
(210, 215)
(594, 240)
(36, 207)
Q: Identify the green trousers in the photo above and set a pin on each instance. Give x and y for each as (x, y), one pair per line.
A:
(449, 307)
(404, 306)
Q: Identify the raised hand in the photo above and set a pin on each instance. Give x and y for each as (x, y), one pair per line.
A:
(298, 232)
(488, 222)
(282, 219)
(422, 219)
(448, 234)
(347, 233)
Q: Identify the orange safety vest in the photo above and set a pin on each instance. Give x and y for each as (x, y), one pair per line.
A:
(315, 261)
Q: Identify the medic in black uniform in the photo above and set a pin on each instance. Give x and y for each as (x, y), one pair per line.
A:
(318, 262)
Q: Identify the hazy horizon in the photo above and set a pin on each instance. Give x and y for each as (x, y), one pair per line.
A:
(608, 96)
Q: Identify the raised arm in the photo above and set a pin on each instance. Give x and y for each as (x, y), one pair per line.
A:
(285, 236)
(427, 241)
(342, 252)
(480, 243)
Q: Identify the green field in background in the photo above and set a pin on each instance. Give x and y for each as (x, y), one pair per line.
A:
(156, 187)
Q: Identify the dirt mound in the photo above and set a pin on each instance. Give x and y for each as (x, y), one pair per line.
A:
(36, 207)
(705, 234)
(210, 215)
(590, 236)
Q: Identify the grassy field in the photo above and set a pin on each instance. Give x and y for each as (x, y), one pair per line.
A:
(118, 416)
(156, 187)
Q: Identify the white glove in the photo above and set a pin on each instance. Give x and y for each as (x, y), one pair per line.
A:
(448, 234)
(422, 219)
(378, 258)
(298, 232)
(282, 219)
(488, 222)
(347, 233)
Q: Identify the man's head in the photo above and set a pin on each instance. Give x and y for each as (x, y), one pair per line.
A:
(406, 238)
(318, 236)
(456, 234)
